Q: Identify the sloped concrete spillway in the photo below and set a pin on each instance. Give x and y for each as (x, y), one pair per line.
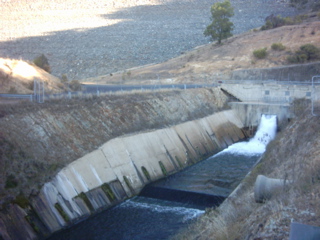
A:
(169, 204)
(120, 168)
(209, 182)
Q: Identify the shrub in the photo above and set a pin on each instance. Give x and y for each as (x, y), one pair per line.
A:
(273, 21)
(11, 182)
(278, 47)
(13, 90)
(42, 62)
(312, 52)
(22, 201)
(75, 85)
(260, 53)
(297, 58)
(64, 79)
(307, 52)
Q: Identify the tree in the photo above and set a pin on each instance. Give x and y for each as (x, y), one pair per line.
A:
(221, 27)
(42, 62)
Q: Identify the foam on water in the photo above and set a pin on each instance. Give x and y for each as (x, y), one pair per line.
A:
(188, 213)
(257, 145)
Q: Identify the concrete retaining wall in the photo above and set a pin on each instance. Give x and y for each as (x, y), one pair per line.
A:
(270, 92)
(121, 167)
(250, 113)
(300, 72)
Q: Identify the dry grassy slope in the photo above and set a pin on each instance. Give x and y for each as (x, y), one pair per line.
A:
(212, 62)
(203, 64)
(293, 155)
(17, 76)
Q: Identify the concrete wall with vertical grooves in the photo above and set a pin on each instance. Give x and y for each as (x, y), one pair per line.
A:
(121, 167)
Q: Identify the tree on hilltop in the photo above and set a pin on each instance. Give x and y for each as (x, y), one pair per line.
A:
(221, 27)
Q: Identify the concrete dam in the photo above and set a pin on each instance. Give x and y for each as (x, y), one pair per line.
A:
(120, 167)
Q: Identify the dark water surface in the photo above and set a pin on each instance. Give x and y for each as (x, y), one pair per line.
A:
(151, 216)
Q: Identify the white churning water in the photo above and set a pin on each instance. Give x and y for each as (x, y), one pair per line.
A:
(257, 145)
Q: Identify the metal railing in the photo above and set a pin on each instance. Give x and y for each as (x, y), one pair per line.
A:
(315, 99)
(270, 81)
(96, 90)
(18, 96)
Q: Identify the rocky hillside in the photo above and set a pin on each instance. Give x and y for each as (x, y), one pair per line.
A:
(83, 38)
(206, 64)
(211, 62)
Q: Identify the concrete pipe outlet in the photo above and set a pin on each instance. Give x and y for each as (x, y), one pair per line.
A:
(265, 187)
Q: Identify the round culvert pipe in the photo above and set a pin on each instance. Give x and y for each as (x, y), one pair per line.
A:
(264, 187)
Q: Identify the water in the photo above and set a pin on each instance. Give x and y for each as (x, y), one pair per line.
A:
(152, 216)
(138, 218)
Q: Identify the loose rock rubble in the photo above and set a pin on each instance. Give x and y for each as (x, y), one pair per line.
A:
(85, 40)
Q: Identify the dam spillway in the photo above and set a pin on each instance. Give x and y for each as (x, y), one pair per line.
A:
(120, 168)
(149, 217)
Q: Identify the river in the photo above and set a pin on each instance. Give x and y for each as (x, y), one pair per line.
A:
(167, 205)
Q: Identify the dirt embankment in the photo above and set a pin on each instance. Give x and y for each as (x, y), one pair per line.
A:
(36, 140)
(17, 76)
(294, 156)
(91, 38)
(212, 62)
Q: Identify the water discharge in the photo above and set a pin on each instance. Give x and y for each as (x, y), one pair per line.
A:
(145, 217)
(257, 145)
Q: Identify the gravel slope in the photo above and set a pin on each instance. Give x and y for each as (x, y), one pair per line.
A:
(90, 38)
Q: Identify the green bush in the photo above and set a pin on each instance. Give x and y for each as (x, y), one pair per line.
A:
(42, 62)
(312, 52)
(64, 79)
(307, 52)
(75, 85)
(260, 53)
(273, 22)
(278, 47)
(277, 21)
(22, 201)
(11, 182)
(297, 58)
